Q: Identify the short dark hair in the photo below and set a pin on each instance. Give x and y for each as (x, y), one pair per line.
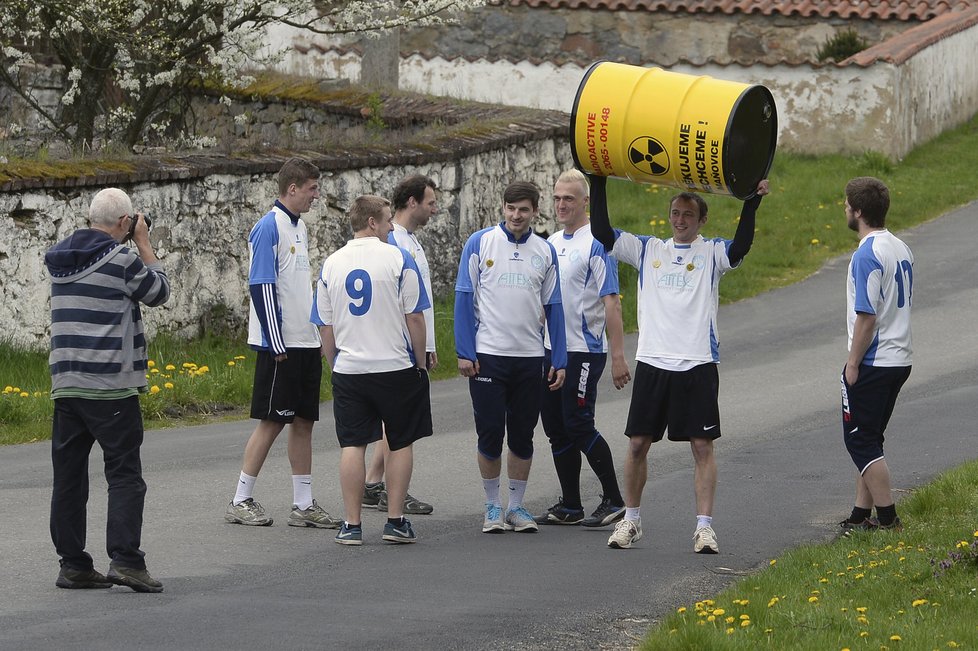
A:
(695, 198)
(521, 190)
(364, 207)
(413, 186)
(871, 197)
(296, 171)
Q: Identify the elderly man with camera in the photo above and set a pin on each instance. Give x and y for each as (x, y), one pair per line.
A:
(98, 367)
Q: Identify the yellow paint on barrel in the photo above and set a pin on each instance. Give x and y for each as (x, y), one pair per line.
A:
(692, 132)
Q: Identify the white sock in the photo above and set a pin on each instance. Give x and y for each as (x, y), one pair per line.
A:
(492, 491)
(245, 490)
(633, 514)
(302, 491)
(517, 488)
(703, 521)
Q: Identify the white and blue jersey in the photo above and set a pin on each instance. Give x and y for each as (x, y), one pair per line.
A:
(678, 298)
(280, 284)
(364, 291)
(505, 290)
(587, 274)
(405, 239)
(880, 282)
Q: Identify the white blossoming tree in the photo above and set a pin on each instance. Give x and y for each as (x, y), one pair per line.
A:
(129, 66)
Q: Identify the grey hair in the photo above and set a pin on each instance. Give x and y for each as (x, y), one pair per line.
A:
(108, 206)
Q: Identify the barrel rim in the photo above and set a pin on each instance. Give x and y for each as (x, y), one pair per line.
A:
(573, 115)
(774, 139)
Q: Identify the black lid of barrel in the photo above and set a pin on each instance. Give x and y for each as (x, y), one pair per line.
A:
(750, 140)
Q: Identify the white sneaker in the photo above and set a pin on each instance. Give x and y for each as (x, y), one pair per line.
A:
(626, 532)
(494, 520)
(705, 541)
(520, 521)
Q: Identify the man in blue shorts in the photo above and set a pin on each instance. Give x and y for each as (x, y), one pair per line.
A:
(288, 368)
(589, 295)
(507, 285)
(879, 292)
(370, 302)
(414, 203)
(676, 378)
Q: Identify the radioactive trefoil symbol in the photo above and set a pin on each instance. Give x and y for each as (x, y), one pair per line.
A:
(648, 156)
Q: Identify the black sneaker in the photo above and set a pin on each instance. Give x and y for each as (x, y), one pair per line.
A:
(896, 525)
(73, 579)
(560, 514)
(868, 524)
(372, 494)
(606, 513)
(138, 580)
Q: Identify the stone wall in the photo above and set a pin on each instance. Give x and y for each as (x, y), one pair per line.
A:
(897, 94)
(202, 216)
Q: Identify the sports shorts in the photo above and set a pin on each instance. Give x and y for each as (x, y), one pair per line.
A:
(367, 405)
(288, 389)
(685, 402)
(866, 409)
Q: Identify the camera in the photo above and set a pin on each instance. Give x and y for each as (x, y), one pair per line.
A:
(132, 225)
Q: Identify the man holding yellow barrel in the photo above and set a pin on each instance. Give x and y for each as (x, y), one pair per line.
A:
(676, 381)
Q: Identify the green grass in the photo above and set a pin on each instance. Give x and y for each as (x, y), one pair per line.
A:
(799, 226)
(877, 590)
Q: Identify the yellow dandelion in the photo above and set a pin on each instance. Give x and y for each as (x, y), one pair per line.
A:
(828, 227)
(976, 534)
(231, 363)
(745, 623)
(24, 394)
(813, 599)
(170, 367)
(745, 616)
(861, 609)
(10, 389)
(701, 623)
(863, 633)
(814, 241)
(895, 638)
(952, 644)
(168, 385)
(189, 365)
(862, 619)
(918, 602)
(151, 364)
(719, 611)
(154, 389)
(963, 543)
(16, 389)
(698, 605)
(860, 575)
(773, 561)
(673, 631)
(203, 369)
(773, 601)
(154, 371)
(711, 618)
(681, 609)
(730, 619)
(823, 580)
(239, 357)
(730, 631)
(844, 609)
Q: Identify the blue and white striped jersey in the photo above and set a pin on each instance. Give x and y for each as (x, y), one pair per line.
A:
(279, 251)
(364, 291)
(587, 273)
(880, 282)
(407, 241)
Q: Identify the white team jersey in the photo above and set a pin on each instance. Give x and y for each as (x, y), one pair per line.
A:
(364, 291)
(678, 298)
(407, 241)
(511, 282)
(587, 273)
(279, 253)
(880, 282)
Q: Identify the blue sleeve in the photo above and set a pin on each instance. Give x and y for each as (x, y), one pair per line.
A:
(314, 314)
(465, 326)
(558, 338)
(411, 265)
(265, 299)
(864, 265)
(264, 251)
(391, 239)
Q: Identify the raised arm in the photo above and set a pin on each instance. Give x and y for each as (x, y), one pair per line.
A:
(744, 237)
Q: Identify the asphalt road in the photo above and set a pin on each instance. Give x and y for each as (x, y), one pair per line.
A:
(785, 480)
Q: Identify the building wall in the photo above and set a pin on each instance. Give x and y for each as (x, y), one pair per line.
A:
(201, 225)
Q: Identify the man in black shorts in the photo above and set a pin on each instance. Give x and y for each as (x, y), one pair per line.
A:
(370, 302)
(288, 369)
(676, 379)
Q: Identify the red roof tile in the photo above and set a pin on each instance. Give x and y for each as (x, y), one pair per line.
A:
(852, 9)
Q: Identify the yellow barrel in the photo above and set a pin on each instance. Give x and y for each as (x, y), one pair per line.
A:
(696, 133)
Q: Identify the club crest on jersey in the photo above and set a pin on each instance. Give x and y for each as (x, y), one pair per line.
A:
(489, 262)
(656, 264)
